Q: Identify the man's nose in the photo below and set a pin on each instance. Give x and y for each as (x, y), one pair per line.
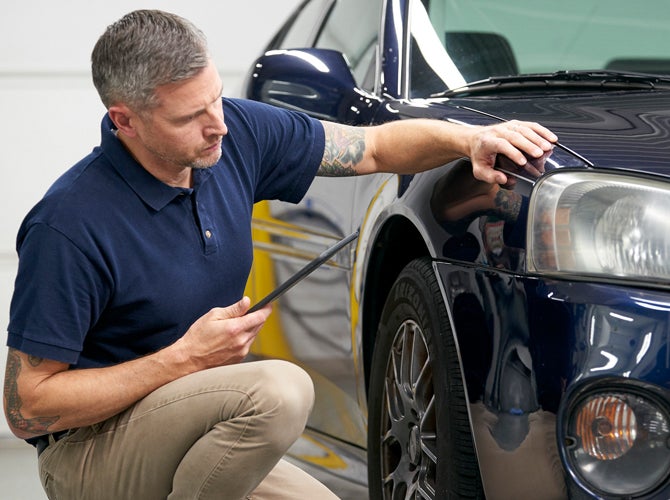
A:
(217, 124)
(221, 128)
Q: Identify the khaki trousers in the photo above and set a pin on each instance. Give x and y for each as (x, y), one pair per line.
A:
(215, 434)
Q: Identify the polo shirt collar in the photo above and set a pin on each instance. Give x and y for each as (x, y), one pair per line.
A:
(152, 191)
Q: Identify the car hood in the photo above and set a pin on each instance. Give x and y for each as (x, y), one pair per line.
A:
(620, 130)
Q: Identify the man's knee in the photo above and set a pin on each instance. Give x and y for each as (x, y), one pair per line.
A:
(287, 385)
(288, 392)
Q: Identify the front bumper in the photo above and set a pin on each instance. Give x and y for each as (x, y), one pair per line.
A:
(530, 349)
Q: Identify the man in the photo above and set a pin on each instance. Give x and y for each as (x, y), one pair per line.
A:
(127, 328)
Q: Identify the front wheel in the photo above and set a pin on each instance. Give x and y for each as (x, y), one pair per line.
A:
(419, 439)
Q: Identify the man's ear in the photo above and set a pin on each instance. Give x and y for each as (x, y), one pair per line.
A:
(123, 118)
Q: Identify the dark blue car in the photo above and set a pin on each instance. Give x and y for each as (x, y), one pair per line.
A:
(481, 341)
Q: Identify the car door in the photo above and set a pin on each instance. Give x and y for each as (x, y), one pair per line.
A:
(311, 325)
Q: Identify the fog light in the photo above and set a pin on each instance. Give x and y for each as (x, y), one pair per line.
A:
(619, 443)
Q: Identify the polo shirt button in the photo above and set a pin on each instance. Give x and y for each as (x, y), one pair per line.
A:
(208, 233)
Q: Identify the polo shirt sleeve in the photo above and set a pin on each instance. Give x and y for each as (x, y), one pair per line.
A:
(290, 146)
(57, 296)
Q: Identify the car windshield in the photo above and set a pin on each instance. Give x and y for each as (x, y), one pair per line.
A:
(485, 38)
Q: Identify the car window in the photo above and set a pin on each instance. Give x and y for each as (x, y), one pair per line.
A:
(431, 69)
(352, 28)
(454, 42)
(302, 30)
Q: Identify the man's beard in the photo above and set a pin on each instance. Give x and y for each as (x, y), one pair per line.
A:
(198, 163)
(203, 163)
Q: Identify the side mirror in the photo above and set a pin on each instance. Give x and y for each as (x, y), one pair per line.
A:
(315, 81)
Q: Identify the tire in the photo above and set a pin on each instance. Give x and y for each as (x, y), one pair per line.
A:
(419, 438)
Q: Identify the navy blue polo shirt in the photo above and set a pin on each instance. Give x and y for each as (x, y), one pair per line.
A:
(115, 264)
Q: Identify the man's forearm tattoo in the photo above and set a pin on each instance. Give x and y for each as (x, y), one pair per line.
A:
(345, 147)
(13, 403)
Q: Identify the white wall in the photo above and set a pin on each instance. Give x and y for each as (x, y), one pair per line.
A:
(49, 111)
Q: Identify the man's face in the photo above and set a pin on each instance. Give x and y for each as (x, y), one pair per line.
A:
(186, 128)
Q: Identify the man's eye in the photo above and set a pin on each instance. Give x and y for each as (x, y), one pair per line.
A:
(186, 119)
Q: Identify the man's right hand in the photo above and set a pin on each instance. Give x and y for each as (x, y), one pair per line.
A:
(222, 336)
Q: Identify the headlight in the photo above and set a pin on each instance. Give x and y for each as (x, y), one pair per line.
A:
(618, 443)
(600, 224)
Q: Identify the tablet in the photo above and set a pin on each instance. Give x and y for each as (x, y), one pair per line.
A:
(304, 272)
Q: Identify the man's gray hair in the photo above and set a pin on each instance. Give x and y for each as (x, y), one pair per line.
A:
(142, 51)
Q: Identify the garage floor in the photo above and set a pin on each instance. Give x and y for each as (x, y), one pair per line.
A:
(18, 471)
(19, 480)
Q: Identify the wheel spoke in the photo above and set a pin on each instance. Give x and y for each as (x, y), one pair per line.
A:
(429, 433)
(419, 356)
(393, 399)
(406, 348)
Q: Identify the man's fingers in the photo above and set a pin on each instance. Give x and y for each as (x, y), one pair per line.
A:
(485, 172)
(543, 132)
(238, 311)
(531, 138)
(235, 310)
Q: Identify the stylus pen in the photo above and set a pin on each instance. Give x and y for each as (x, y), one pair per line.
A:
(305, 271)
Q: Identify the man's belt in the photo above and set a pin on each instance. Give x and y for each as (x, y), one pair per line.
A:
(42, 442)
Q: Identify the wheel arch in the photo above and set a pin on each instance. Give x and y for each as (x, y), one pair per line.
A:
(397, 243)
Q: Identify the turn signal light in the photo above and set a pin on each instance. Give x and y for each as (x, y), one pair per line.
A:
(607, 427)
(618, 442)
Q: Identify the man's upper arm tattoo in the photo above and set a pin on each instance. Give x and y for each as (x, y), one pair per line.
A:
(344, 150)
(13, 402)
(35, 360)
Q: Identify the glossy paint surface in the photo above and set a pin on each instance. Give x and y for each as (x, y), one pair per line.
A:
(528, 344)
